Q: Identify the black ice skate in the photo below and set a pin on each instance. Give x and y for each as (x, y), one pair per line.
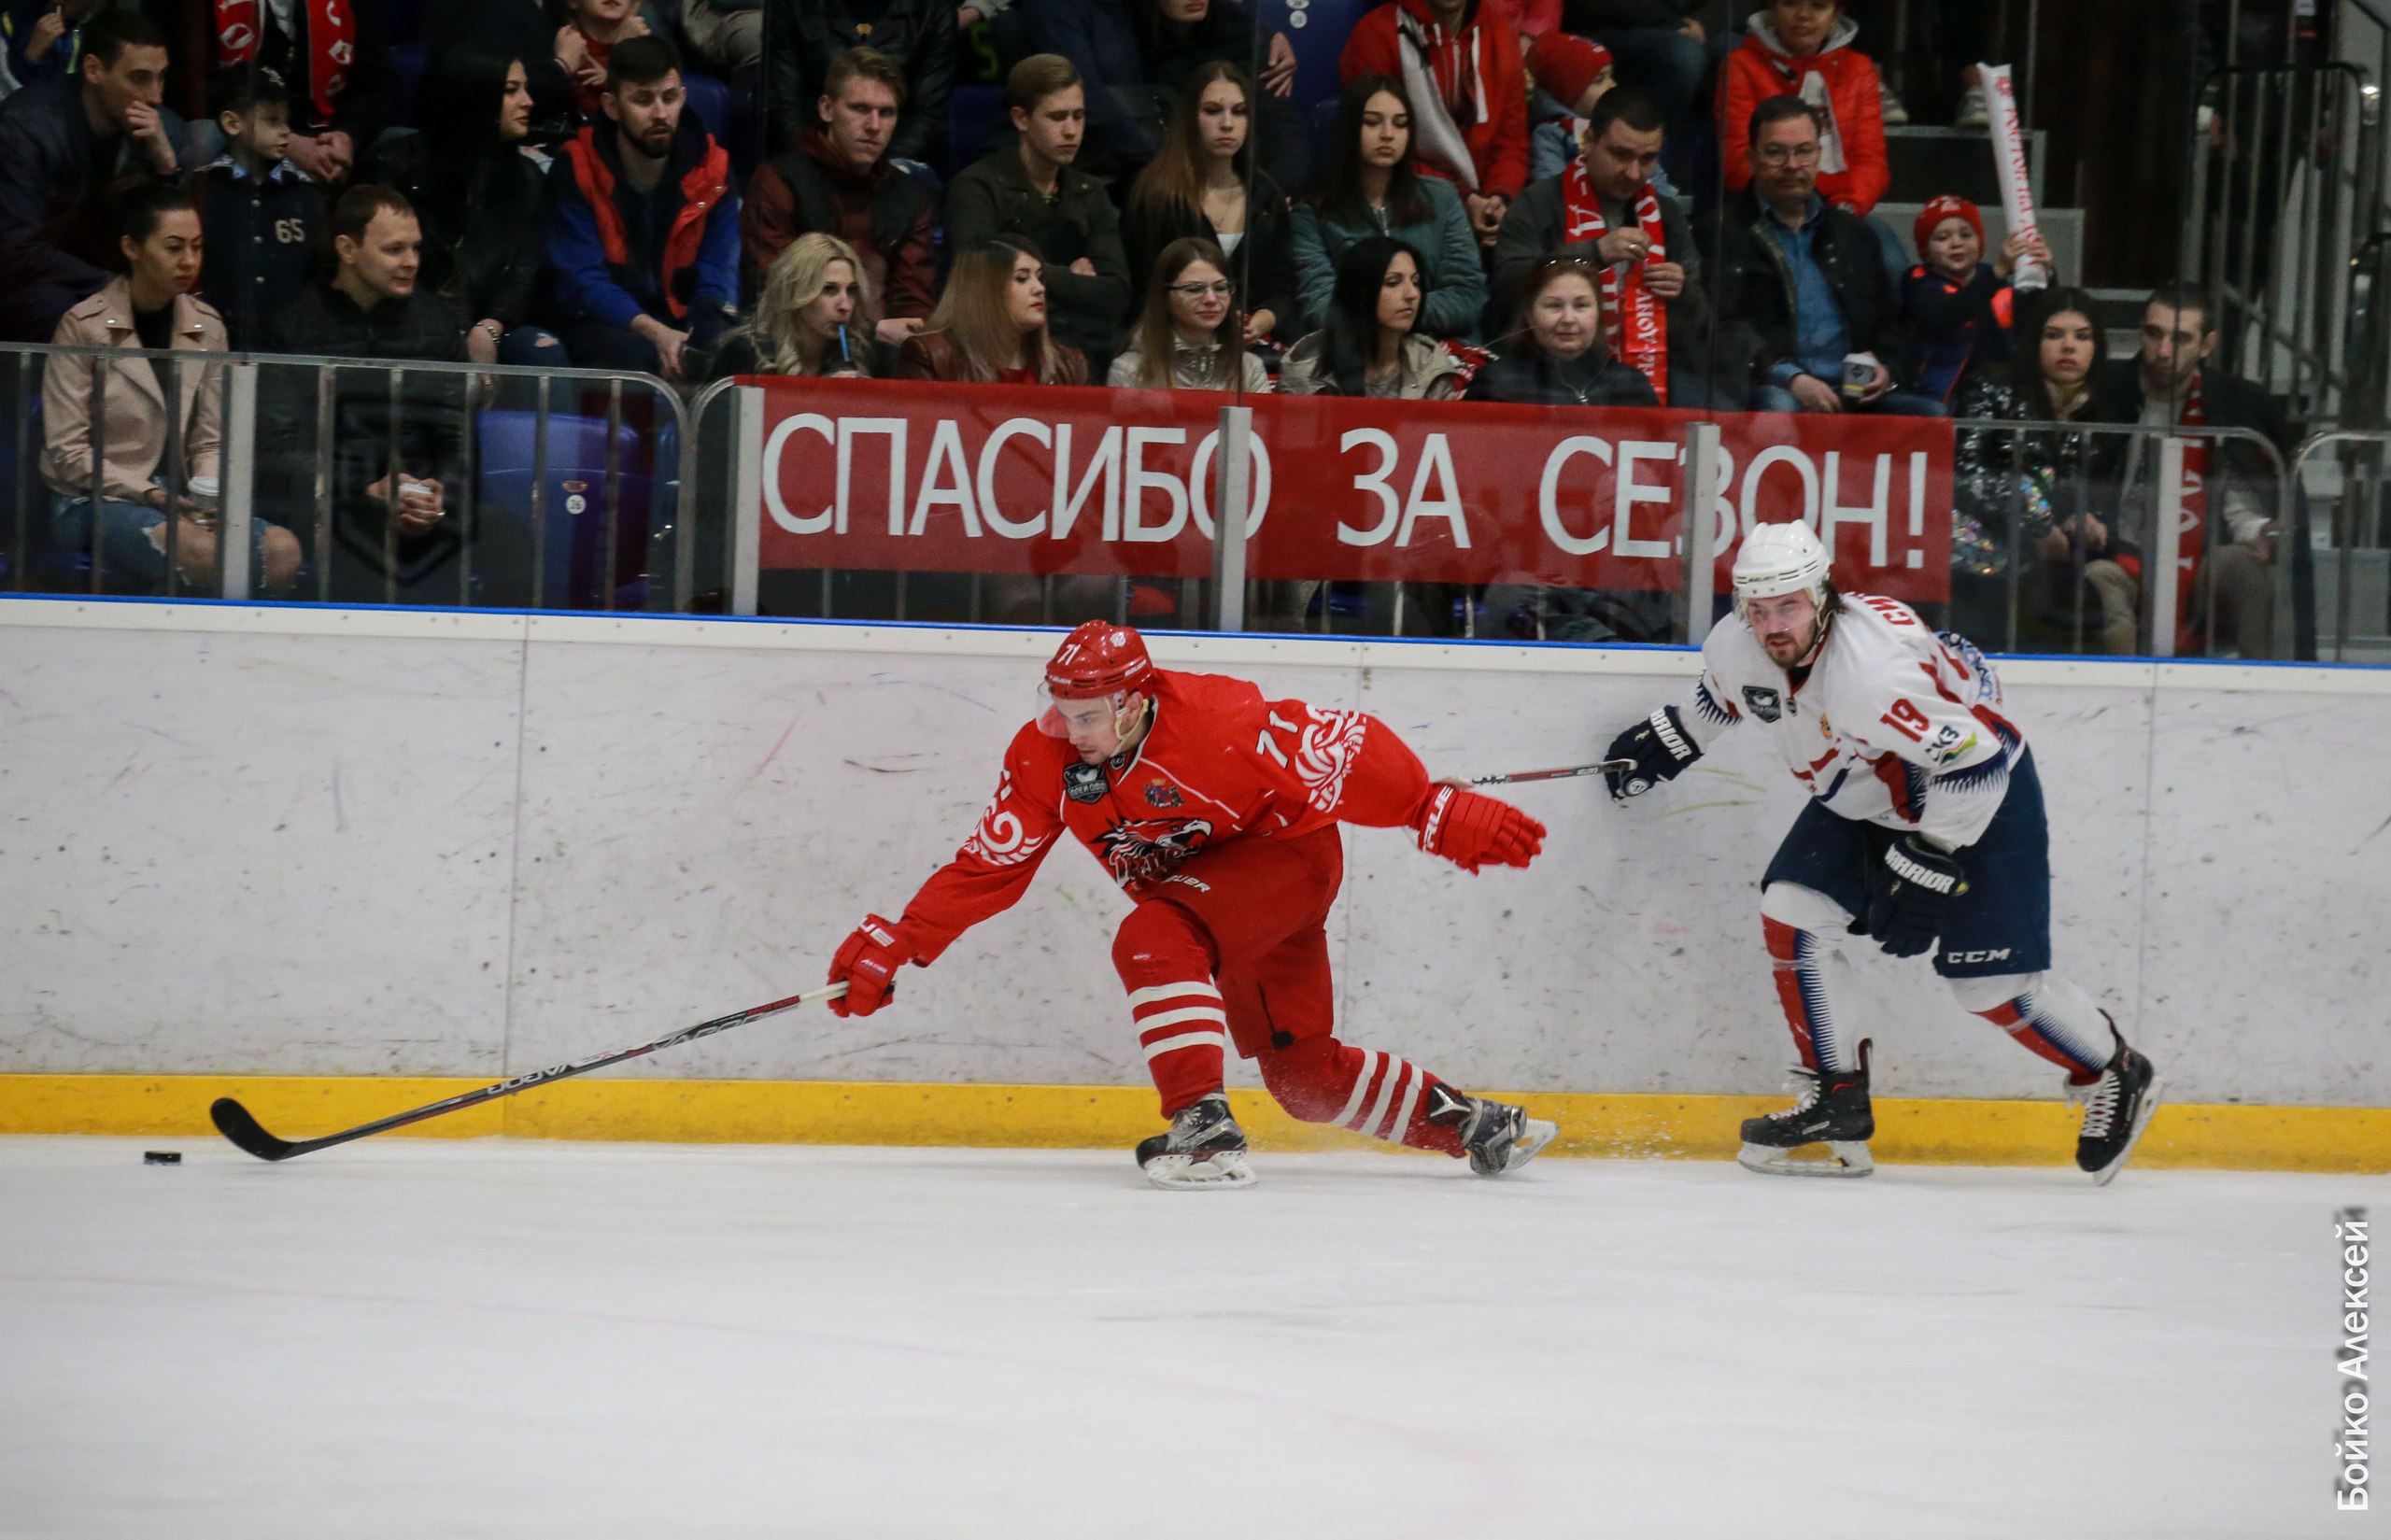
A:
(1832, 1110)
(1205, 1148)
(2117, 1108)
(1497, 1136)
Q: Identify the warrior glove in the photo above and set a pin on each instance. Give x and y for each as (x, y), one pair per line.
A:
(1907, 894)
(1655, 750)
(1471, 830)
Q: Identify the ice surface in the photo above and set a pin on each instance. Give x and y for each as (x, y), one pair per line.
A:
(452, 1339)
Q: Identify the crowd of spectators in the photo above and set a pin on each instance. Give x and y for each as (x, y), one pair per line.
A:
(1519, 201)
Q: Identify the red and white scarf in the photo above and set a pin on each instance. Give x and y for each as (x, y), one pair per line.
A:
(1446, 77)
(331, 44)
(1636, 321)
(2192, 538)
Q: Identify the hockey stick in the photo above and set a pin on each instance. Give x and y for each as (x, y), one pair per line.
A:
(1519, 776)
(234, 1122)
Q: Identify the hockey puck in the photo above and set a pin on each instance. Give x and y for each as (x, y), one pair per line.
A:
(162, 1157)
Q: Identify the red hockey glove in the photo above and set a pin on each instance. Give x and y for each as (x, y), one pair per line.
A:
(1472, 831)
(867, 964)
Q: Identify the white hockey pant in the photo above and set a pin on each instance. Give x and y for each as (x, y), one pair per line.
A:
(2046, 1012)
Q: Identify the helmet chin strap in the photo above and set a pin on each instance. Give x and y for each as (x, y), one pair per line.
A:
(1826, 624)
(1129, 728)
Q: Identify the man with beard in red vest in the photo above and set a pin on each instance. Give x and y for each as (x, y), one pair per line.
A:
(645, 237)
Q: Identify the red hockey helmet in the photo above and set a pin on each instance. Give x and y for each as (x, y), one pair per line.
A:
(1098, 659)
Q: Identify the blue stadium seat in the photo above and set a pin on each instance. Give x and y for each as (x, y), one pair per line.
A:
(710, 99)
(402, 21)
(975, 124)
(573, 502)
(1318, 29)
(407, 63)
(1324, 137)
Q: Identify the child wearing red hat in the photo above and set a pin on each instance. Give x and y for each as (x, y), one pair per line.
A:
(1571, 73)
(1957, 306)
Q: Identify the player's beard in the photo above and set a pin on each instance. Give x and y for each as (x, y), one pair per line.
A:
(1797, 645)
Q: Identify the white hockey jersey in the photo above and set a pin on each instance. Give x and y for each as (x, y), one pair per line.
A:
(1892, 724)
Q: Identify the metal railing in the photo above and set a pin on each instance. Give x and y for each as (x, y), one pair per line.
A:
(2359, 496)
(351, 407)
(2286, 184)
(701, 540)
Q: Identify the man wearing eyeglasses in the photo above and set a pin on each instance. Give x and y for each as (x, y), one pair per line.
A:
(1807, 309)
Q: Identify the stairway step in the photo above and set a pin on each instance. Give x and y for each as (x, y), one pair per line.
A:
(1927, 162)
(2118, 314)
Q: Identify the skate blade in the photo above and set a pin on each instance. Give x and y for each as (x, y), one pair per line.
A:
(2108, 1173)
(1186, 1173)
(1845, 1158)
(1526, 1146)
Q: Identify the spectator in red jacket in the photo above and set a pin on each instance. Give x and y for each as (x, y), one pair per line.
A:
(839, 180)
(1470, 100)
(1803, 47)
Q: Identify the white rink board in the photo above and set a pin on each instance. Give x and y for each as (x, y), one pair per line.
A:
(307, 841)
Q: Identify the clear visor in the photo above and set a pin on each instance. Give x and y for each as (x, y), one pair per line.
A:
(1056, 718)
(1774, 585)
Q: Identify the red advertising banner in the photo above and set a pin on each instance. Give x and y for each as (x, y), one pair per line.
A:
(905, 477)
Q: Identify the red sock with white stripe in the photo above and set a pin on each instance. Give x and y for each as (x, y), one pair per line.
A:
(1173, 1002)
(1183, 1031)
(1320, 1080)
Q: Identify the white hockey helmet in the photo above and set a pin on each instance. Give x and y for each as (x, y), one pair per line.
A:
(1781, 559)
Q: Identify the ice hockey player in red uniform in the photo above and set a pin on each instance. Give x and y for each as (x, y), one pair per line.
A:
(1216, 810)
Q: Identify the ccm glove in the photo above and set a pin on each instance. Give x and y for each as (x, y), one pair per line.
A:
(1907, 894)
(1471, 830)
(1655, 750)
(867, 964)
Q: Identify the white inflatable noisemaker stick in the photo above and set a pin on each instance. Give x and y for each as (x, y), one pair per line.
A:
(2009, 162)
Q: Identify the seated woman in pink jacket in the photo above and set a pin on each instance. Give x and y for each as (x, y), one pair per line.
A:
(111, 473)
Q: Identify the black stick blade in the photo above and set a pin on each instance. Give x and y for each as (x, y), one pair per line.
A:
(234, 1123)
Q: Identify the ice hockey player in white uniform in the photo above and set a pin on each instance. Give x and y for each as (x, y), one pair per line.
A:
(1925, 826)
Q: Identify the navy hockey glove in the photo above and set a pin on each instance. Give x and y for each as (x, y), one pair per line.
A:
(1655, 750)
(1906, 895)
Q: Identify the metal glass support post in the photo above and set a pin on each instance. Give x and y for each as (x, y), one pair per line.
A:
(170, 470)
(324, 481)
(1234, 478)
(747, 495)
(98, 438)
(685, 519)
(2166, 546)
(240, 473)
(1697, 530)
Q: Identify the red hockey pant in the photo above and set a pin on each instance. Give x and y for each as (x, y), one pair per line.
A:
(1235, 945)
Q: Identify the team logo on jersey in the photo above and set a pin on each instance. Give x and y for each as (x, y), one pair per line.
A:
(1946, 745)
(1765, 703)
(1161, 793)
(1152, 848)
(1083, 782)
(1000, 840)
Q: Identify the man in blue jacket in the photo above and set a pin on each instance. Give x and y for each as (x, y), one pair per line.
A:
(645, 237)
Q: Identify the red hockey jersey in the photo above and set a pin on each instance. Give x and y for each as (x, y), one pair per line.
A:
(1220, 763)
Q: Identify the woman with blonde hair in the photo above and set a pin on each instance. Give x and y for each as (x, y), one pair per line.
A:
(1188, 337)
(990, 325)
(814, 316)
